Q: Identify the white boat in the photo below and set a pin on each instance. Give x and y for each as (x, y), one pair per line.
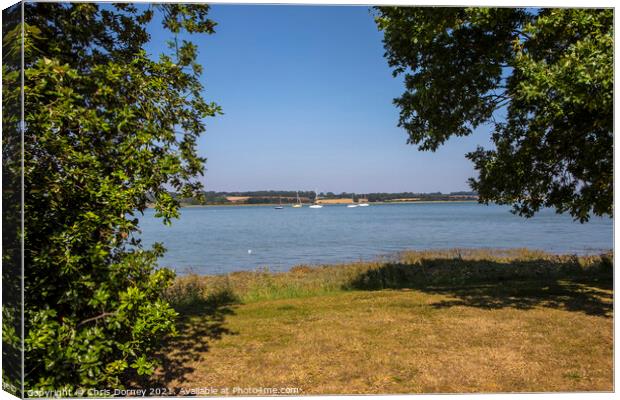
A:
(352, 205)
(279, 206)
(298, 204)
(363, 204)
(316, 198)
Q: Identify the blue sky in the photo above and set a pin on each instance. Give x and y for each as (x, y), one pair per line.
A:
(307, 100)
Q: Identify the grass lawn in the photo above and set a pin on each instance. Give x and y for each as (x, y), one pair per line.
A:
(545, 332)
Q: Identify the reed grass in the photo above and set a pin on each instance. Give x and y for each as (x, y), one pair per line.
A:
(407, 269)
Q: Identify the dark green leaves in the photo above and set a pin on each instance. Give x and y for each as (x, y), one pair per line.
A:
(549, 72)
(452, 60)
(109, 131)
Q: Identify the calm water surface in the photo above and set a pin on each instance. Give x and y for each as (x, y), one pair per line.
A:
(210, 240)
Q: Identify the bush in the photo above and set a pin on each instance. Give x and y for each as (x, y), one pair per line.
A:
(107, 131)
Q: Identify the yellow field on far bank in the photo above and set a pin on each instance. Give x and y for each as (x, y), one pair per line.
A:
(335, 201)
(237, 199)
(426, 322)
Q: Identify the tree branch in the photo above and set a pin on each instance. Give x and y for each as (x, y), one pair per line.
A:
(525, 35)
(103, 315)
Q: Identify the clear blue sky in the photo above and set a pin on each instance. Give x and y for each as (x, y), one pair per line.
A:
(307, 97)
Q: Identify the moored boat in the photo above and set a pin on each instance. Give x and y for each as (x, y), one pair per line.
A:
(298, 204)
(316, 199)
(279, 206)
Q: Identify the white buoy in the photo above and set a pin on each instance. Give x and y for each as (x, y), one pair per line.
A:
(249, 251)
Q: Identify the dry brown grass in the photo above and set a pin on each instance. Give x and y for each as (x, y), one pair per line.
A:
(548, 331)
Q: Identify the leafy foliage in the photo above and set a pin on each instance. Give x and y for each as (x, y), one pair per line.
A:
(108, 129)
(543, 80)
(11, 204)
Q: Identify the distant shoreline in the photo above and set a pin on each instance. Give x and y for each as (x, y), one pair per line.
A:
(288, 205)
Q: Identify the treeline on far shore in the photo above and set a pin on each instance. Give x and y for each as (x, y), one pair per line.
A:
(290, 196)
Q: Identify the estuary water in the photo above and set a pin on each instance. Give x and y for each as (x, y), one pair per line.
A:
(213, 240)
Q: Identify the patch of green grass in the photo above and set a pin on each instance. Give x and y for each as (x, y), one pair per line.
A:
(575, 375)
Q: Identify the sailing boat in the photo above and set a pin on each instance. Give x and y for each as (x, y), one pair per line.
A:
(364, 204)
(279, 206)
(316, 198)
(298, 204)
(352, 205)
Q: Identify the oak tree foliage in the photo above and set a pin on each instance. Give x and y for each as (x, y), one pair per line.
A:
(108, 130)
(543, 80)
